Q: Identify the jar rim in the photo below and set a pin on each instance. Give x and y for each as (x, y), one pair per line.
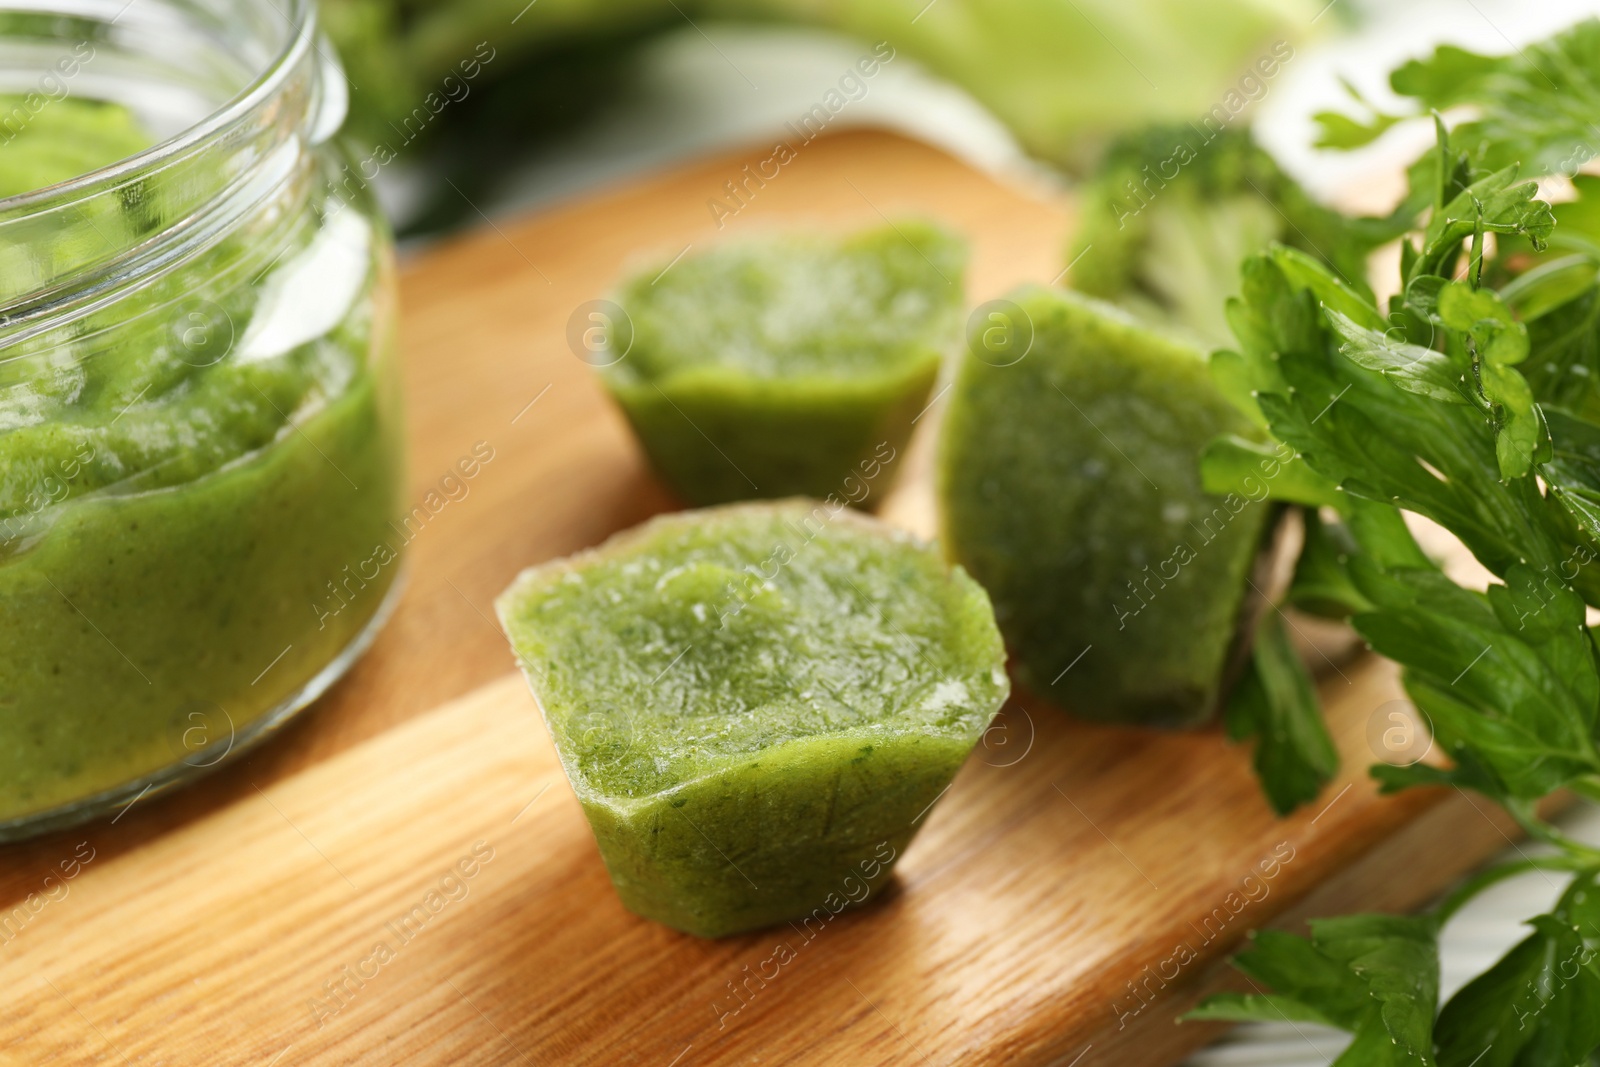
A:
(301, 15)
(215, 173)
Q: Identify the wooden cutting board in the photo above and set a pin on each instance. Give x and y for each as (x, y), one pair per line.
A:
(1075, 890)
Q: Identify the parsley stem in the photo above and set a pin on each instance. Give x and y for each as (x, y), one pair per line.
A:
(1484, 879)
(1523, 812)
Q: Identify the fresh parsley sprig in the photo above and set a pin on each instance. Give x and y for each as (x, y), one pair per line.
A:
(1472, 398)
(1376, 976)
(1535, 107)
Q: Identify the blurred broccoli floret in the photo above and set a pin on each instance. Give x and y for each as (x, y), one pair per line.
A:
(1174, 210)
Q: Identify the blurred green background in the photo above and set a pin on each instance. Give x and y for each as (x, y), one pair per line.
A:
(508, 77)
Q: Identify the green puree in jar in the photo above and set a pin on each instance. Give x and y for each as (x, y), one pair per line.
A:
(792, 365)
(756, 703)
(1070, 487)
(195, 491)
(61, 140)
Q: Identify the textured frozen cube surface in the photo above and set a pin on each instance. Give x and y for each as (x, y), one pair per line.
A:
(753, 702)
(1070, 488)
(781, 366)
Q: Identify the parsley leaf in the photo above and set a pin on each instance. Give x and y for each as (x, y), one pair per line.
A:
(1573, 475)
(1540, 1004)
(1380, 416)
(1509, 674)
(1276, 703)
(1537, 107)
(1376, 976)
(1341, 131)
(1322, 583)
(1234, 464)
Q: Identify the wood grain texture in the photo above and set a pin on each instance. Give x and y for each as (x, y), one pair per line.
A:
(1036, 919)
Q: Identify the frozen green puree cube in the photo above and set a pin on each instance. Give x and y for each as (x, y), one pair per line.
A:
(1070, 486)
(756, 704)
(787, 366)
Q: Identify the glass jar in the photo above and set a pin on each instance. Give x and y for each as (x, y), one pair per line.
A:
(200, 452)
